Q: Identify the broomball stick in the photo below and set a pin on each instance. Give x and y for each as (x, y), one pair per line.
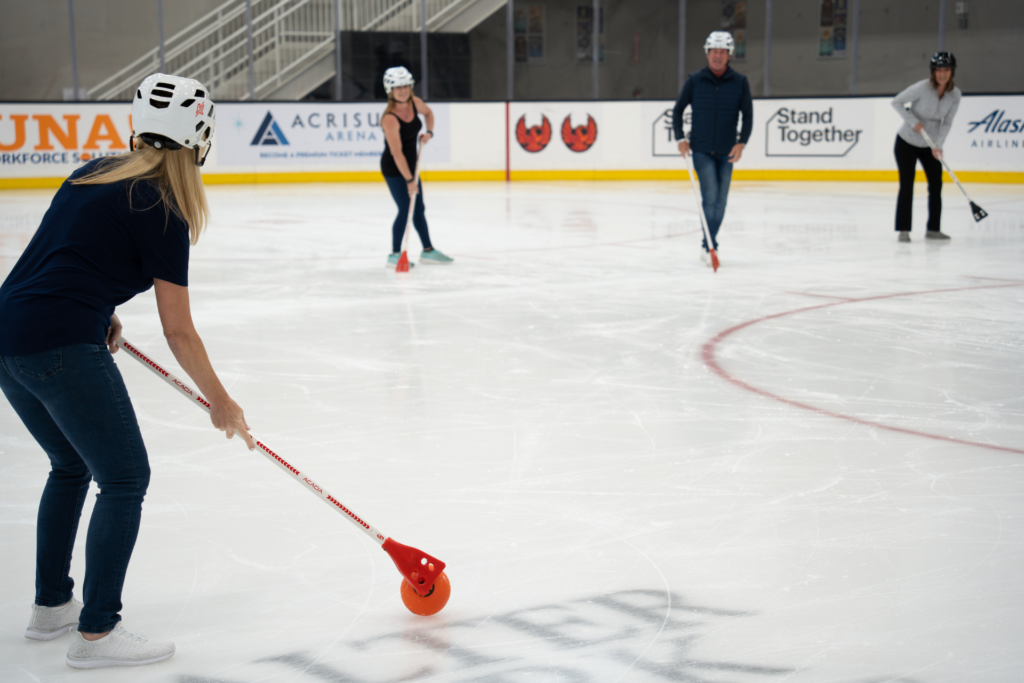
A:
(978, 212)
(700, 211)
(425, 589)
(403, 260)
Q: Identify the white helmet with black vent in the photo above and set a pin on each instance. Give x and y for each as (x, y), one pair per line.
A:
(396, 77)
(719, 40)
(171, 112)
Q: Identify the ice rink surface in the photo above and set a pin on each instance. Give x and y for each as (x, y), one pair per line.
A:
(807, 467)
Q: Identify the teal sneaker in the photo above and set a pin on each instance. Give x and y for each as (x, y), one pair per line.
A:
(393, 261)
(434, 256)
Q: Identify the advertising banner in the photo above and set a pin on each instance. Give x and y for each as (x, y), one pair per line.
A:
(302, 134)
(820, 133)
(830, 133)
(988, 133)
(52, 140)
(563, 135)
(663, 139)
(809, 138)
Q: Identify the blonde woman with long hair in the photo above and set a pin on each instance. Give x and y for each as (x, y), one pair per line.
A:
(116, 227)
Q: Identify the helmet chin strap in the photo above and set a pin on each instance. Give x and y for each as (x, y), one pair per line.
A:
(201, 161)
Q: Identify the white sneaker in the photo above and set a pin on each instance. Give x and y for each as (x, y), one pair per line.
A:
(705, 258)
(117, 648)
(48, 623)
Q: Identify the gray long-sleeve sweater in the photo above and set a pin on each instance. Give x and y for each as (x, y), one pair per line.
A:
(926, 107)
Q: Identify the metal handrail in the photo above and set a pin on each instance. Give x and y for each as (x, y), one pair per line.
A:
(286, 36)
(169, 49)
(438, 16)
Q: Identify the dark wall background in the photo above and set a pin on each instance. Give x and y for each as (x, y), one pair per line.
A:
(896, 39)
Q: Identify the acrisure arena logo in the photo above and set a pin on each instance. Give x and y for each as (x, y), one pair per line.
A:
(269, 133)
(996, 131)
(808, 133)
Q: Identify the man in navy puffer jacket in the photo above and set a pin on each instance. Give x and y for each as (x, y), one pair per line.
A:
(717, 95)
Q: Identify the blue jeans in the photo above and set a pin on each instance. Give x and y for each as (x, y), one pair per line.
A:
(400, 192)
(715, 174)
(74, 403)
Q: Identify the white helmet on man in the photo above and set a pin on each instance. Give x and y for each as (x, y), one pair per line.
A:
(719, 40)
(396, 77)
(171, 112)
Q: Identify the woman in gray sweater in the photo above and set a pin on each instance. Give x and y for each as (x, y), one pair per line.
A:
(928, 105)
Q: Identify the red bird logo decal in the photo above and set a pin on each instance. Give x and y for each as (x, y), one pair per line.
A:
(580, 138)
(535, 138)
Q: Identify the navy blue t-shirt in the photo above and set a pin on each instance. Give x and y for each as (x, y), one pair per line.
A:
(93, 251)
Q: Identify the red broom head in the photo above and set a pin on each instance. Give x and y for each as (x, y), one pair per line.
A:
(714, 261)
(403, 263)
(419, 569)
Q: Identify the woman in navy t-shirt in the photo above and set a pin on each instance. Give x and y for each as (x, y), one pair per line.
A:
(116, 227)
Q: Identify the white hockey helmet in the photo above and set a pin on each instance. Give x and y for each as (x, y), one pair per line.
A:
(396, 77)
(171, 112)
(719, 40)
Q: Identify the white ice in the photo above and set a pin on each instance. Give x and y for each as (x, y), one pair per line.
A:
(625, 486)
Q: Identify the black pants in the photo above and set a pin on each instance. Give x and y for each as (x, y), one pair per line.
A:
(907, 156)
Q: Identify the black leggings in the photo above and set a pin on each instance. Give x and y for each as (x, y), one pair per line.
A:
(907, 156)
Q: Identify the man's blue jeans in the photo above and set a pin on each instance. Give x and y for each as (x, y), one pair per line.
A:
(715, 174)
(73, 401)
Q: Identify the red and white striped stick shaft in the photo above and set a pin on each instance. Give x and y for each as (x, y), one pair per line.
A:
(306, 481)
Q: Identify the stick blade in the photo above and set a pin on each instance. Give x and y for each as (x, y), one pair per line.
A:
(419, 569)
(403, 263)
(714, 261)
(978, 212)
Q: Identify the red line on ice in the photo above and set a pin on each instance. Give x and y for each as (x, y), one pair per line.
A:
(997, 279)
(711, 346)
(822, 296)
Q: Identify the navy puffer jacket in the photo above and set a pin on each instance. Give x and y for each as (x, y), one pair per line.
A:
(716, 106)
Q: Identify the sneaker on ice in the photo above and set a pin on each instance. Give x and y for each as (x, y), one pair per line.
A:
(904, 235)
(117, 648)
(434, 256)
(48, 623)
(393, 261)
(705, 257)
(935, 235)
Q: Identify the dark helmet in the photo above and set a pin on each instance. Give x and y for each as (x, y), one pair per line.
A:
(943, 60)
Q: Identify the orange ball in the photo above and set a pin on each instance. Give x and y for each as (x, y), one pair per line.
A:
(433, 603)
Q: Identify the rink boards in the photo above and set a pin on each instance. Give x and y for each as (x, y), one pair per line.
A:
(792, 139)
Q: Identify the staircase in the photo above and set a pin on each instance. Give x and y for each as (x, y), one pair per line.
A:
(293, 43)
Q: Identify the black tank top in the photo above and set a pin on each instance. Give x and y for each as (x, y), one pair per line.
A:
(408, 132)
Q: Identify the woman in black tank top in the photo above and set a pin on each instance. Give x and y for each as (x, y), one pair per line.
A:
(401, 125)
(407, 132)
